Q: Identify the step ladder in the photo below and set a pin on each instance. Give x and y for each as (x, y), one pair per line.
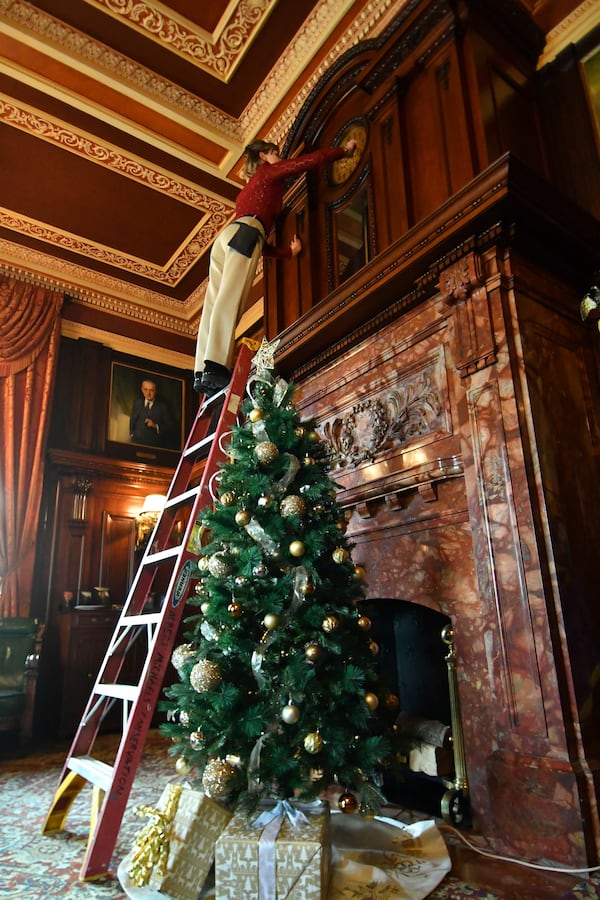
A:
(173, 548)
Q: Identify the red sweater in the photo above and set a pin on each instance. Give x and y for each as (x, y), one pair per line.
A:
(263, 195)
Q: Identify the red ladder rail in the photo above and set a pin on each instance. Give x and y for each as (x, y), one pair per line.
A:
(112, 783)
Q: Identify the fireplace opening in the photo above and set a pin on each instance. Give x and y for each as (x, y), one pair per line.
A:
(416, 659)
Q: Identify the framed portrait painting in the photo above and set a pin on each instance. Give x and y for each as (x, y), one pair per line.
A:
(146, 412)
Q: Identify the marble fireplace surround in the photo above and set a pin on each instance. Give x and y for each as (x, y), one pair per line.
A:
(432, 415)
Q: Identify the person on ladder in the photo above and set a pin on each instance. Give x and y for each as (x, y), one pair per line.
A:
(235, 254)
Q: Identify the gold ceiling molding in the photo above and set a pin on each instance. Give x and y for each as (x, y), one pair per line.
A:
(170, 274)
(572, 28)
(75, 49)
(219, 55)
(101, 291)
(110, 157)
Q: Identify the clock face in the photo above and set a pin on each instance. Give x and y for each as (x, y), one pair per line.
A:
(342, 169)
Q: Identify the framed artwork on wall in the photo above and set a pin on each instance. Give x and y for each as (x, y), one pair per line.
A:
(145, 411)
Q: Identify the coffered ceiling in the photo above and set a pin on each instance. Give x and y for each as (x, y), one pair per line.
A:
(122, 129)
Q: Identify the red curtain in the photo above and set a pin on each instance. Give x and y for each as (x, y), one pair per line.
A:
(29, 337)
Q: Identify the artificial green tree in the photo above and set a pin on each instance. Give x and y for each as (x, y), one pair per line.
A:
(278, 694)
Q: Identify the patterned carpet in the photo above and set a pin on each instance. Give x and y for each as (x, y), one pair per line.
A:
(37, 867)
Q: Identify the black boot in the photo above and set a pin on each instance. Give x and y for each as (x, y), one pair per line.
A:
(214, 378)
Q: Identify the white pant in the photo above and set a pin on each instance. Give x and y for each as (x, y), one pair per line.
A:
(230, 278)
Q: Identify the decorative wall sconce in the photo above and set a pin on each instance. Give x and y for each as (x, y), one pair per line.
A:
(81, 489)
(147, 519)
(589, 307)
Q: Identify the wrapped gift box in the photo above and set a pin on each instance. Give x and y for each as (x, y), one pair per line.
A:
(195, 828)
(295, 867)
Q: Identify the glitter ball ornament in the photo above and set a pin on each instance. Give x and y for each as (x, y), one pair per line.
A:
(271, 621)
(364, 622)
(347, 802)
(219, 565)
(181, 655)
(372, 701)
(228, 498)
(266, 452)
(205, 676)
(182, 766)
(330, 623)
(242, 517)
(235, 609)
(196, 740)
(290, 714)
(292, 506)
(217, 777)
(313, 742)
(203, 563)
(340, 555)
(264, 500)
(297, 548)
(260, 570)
(255, 415)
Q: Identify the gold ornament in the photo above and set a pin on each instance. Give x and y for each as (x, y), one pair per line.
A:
(264, 500)
(205, 676)
(316, 775)
(266, 452)
(313, 652)
(217, 777)
(374, 648)
(313, 743)
(359, 572)
(271, 621)
(290, 714)
(242, 517)
(347, 802)
(182, 766)
(340, 555)
(391, 701)
(228, 498)
(196, 740)
(364, 622)
(292, 506)
(219, 564)
(182, 655)
(256, 414)
(235, 609)
(260, 570)
(308, 461)
(330, 623)
(308, 588)
(300, 431)
(366, 811)
(297, 548)
(372, 700)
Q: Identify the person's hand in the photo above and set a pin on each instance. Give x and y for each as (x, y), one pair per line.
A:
(150, 423)
(295, 245)
(350, 147)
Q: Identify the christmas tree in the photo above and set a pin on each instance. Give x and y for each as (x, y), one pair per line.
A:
(278, 690)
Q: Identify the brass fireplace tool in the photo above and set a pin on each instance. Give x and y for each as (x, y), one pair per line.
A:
(455, 802)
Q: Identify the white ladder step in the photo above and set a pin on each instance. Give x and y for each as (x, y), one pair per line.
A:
(199, 445)
(93, 770)
(120, 691)
(141, 619)
(181, 498)
(169, 553)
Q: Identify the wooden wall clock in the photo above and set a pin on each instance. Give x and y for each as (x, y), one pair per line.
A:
(342, 169)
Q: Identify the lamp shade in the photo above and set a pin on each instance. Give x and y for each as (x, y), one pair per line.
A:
(153, 503)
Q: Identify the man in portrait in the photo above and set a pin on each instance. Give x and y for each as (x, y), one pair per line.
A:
(151, 421)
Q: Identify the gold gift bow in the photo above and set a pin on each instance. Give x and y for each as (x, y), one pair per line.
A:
(151, 845)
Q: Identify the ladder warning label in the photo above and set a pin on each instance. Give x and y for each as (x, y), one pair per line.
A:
(182, 583)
